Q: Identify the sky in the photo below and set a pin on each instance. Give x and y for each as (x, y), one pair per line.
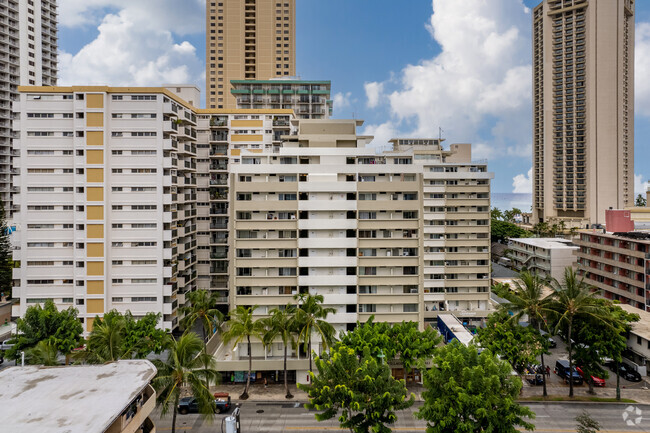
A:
(411, 68)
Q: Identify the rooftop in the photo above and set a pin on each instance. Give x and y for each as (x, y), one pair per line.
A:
(83, 399)
(547, 243)
(642, 327)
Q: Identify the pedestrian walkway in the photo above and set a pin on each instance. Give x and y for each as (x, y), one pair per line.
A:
(275, 392)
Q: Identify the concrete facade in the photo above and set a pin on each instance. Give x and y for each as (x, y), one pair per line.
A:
(247, 40)
(548, 257)
(583, 109)
(308, 99)
(617, 264)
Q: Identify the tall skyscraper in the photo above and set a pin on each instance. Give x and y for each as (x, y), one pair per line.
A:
(27, 57)
(247, 39)
(583, 109)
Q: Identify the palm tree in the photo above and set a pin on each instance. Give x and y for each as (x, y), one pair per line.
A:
(282, 324)
(310, 318)
(202, 307)
(527, 298)
(44, 353)
(573, 298)
(183, 368)
(105, 340)
(242, 326)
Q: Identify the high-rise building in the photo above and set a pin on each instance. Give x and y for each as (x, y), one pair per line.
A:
(308, 99)
(123, 196)
(583, 109)
(247, 39)
(28, 57)
(399, 235)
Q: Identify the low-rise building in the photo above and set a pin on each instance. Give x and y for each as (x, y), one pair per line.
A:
(548, 257)
(617, 264)
(109, 398)
(638, 340)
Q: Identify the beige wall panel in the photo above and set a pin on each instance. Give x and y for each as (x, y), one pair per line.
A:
(95, 269)
(251, 123)
(89, 324)
(94, 175)
(95, 250)
(94, 100)
(95, 231)
(243, 137)
(95, 193)
(94, 120)
(95, 287)
(94, 157)
(95, 212)
(94, 306)
(95, 138)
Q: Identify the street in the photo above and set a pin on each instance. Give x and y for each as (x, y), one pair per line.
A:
(258, 417)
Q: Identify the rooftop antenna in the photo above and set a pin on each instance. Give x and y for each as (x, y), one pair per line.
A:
(440, 136)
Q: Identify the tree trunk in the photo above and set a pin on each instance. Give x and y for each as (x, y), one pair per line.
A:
(310, 356)
(570, 361)
(591, 385)
(287, 394)
(618, 382)
(543, 367)
(244, 395)
(176, 399)
(205, 350)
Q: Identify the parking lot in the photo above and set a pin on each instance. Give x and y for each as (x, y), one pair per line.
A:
(560, 352)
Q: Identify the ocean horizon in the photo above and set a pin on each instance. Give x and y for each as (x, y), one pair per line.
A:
(505, 201)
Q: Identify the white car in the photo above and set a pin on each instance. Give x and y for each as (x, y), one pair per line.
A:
(6, 345)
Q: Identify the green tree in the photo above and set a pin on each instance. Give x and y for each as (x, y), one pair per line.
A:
(61, 328)
(281, 324)
(467, 392)
(586, 424)
(6, 255)
(519, 345)
(496, 214)
(640, 201)
(527, 299)
(44, 353)
(242, 326)
(184, 368)
(360, 388)
(120, 336)
(598, 339)
(541, 229)
(202, 307)
(311, 318)
(502, 231)
(399, 341)
(511, 215)
(570, 300)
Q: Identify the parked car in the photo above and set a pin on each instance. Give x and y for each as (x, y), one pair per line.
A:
(551, 342)
(190, 404)
(537, 379)
(222, 401)
(597, 381)
(562, 370)
(626, 372)
(6, 345)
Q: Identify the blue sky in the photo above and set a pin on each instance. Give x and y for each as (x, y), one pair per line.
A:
(406, 68)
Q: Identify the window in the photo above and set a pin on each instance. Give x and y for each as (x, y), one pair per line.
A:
(143, 244)
(367, 215)
(410, 308)
(143, 170)
(144, 299)
(143, 207)
(143, 134)
(143, 280)
(144, 226)
(143, 97)
(286, 196)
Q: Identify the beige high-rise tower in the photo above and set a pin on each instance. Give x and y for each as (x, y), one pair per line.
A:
(583, 109)
(247, 40)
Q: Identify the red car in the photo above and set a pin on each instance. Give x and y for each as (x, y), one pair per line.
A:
(596, 380)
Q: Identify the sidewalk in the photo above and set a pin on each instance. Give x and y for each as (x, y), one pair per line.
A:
(275, 392)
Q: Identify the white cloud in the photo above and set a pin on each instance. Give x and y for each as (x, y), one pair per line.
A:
(382, 134)
(478, 88)
(639, 185)
(642, 69)
(523, 183)
(136, 44)
(373, 93)
(342, 101)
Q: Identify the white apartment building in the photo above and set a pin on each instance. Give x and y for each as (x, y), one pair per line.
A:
(123, 196)
(398, 235)
(28, 56)
(548, 257)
